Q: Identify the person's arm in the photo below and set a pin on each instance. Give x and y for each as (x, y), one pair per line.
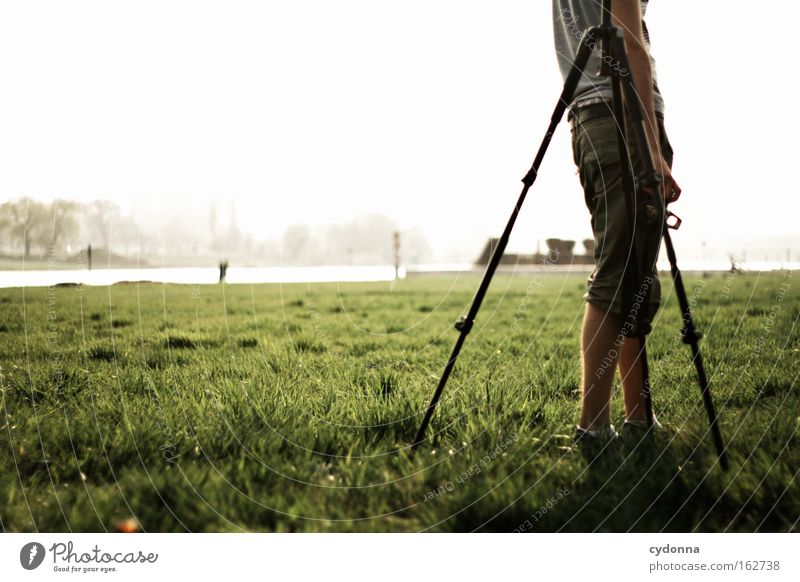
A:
(628, 16)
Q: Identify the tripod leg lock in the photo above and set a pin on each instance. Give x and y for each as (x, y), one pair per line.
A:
(690, 335)
(463, 325)
(530, 177)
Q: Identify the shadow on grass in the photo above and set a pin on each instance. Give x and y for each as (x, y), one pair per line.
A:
(631, 485)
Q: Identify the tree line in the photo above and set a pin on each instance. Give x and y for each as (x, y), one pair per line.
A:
(31, 228)
(62, 229)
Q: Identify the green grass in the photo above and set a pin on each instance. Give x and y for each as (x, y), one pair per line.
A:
(290, 408)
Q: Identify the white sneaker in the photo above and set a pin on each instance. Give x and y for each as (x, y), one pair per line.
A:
(640, 425)
(601, 435)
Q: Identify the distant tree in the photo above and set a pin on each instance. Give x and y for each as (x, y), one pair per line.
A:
(23, 220)
(62, 225)
(102, 214)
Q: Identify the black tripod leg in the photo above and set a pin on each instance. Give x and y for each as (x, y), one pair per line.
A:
(648, 400)
(465, 324)
(636, 319)
(692, 337)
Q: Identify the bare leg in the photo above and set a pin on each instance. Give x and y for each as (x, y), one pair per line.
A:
(600, 348)
(630, 369)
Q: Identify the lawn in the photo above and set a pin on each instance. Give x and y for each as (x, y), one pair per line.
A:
(291, 408)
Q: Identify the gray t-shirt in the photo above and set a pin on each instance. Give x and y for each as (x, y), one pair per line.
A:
(570, 19)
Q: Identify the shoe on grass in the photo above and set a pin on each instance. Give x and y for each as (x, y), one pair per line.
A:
(601, 435)
(639, 426)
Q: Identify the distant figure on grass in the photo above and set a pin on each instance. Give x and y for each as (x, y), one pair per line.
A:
(223, 270)
(594, 148)
(735, 268)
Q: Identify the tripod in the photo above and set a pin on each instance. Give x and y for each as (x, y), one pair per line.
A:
(646, 215)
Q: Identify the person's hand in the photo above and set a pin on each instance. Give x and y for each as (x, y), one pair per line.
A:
(669, 187)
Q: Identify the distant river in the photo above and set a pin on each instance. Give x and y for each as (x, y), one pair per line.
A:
(326, 274)
(198, 275)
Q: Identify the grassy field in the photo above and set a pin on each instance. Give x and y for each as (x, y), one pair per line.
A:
(290, 408)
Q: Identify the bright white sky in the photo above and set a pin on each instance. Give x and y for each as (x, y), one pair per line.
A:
(428, 111)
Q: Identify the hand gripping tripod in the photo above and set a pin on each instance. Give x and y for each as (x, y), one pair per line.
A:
(647, 216)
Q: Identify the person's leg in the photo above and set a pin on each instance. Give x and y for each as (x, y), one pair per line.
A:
(600, 334)
(596, 153)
